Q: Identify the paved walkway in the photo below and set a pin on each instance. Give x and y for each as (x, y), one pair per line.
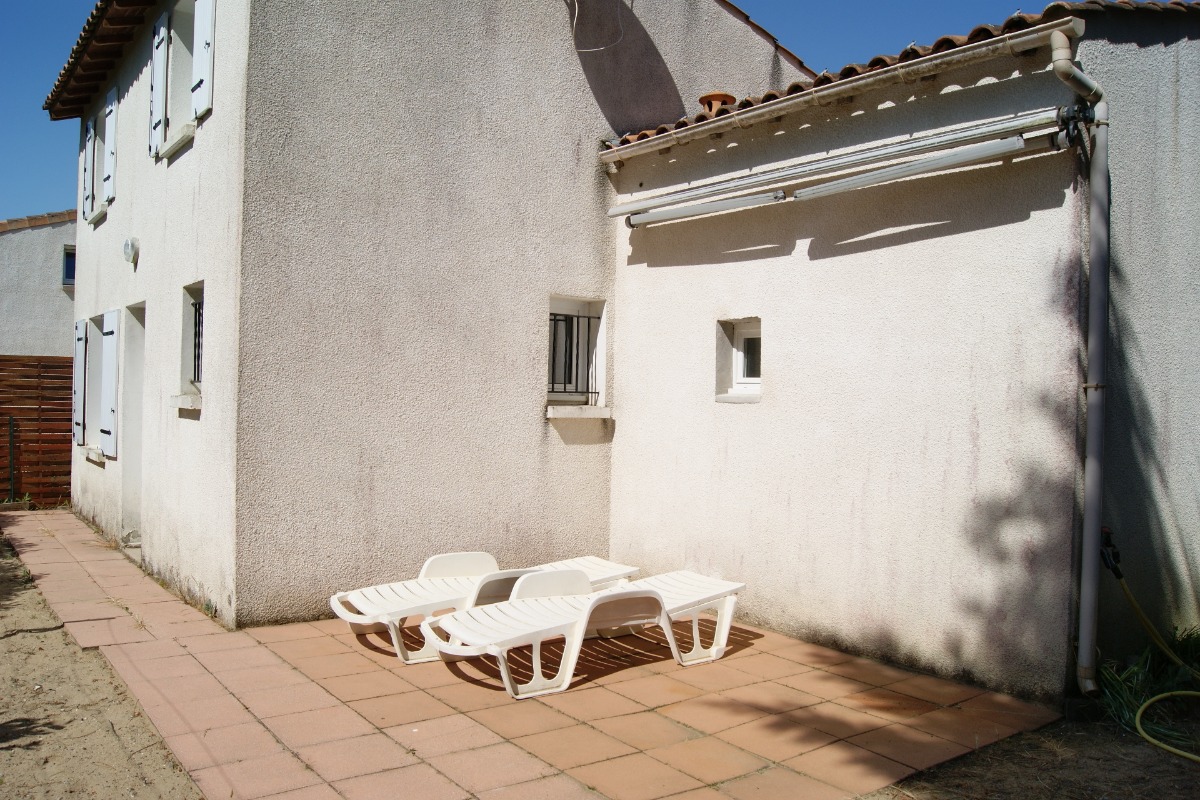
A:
(309, 711)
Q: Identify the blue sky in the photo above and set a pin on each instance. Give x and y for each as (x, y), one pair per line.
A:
(37, 171)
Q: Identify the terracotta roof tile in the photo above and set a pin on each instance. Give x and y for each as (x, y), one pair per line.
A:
(1014, 24)
(37, 221)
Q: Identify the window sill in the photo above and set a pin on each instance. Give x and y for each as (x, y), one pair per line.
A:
(94, 455)
(578, 412)
(97, 216)
(184, 137)
(188, 401)
(739, 397)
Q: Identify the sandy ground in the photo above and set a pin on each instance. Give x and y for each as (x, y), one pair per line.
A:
(68, 728)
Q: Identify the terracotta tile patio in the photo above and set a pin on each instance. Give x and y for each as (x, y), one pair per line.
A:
(310, 711)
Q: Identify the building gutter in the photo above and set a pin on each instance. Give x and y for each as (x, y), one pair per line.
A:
(1099, 221)
(909, 72)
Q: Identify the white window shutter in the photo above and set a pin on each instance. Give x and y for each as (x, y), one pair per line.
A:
(108, 383)
(158, 85)
(202, 58)
(79, 375)
(89, 167)
(110, 144)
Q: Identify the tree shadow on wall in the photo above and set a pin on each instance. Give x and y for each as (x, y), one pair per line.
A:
(628, 77)
(1144, 423)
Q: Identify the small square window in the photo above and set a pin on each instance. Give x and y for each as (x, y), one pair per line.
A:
(739, 360)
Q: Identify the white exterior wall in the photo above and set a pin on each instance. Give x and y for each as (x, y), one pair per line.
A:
(186, 213)
(906, 487)
(420, 178)
(1151, 73)
(35, 307)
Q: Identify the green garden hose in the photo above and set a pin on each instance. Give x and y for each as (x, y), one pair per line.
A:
(1112, 558)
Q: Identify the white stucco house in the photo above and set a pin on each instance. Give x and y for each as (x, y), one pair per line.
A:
(37, 273)
(361, 284)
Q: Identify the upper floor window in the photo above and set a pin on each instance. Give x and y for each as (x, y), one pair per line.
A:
(739, 360)
(181, 74)
(100, 158)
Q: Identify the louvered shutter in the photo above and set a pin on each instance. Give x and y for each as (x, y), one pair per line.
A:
(202, 58)
(79, 374)
(89, 167)
(110, 144)
(158, 86)
(108, 383)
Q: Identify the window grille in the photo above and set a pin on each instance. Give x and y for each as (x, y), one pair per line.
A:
(572, 362)
(197, 340)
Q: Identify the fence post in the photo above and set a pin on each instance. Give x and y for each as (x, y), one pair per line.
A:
(12, 459)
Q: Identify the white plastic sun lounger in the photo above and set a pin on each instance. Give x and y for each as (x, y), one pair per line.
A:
(451, 580)
(548, 605)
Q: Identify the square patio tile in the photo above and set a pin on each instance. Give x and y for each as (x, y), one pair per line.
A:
(366, 685)
(238, 658)
(87, 610)
(194, 716)
(772, 697)
(960, 726)
(335, 665)
(556, 787)
(491, 767)
(709, 759)
(935, 690)
(854, 769)
(521, 718)
(266, 703)
(868, 671)
(634, 777)
(399, 709)
(330, 626)
(573, 747)
(909, 746)
(216, 642)
(712, 713)
(155, 669)
(349, 758)
(284, 633)
(824, 684)
(836, 720)
(142, 651)
(714, 677)
(425, 676)
(656, 690)
(887, 704)
(645, 731)
(322, 725)
(318, 791)
(179, 630)
(471, 696)
(814, 655)
(775, 737)
(418, 781)
(256, 679)
(255, 777)
(311, 647)
(176, 690)
(592, 704)
(214, 746)
(435, 737)
(1009, 711)
(779, 783)
(766, 666)
(121, 630)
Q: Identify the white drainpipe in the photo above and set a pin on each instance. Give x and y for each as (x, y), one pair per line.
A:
(1093, 469)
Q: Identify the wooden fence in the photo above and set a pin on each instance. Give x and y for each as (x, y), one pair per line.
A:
(35, 429)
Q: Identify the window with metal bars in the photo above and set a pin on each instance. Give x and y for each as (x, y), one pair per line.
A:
(572, 365)
(197, 340)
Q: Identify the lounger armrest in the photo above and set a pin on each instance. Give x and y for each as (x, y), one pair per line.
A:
(343, 611)
(429, 630)
(458, 565)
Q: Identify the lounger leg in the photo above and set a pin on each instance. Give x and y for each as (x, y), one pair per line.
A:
(539, 684)
(699, 654)
(427, 652)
